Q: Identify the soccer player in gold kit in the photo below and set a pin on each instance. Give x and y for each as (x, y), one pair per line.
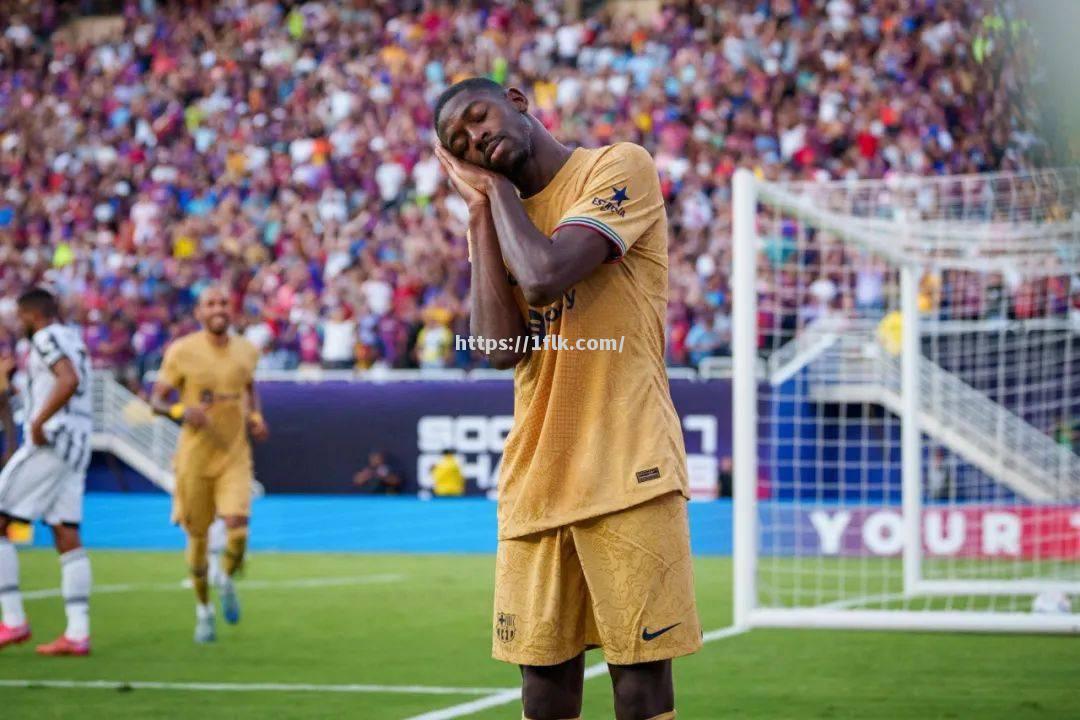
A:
(212, 373)
(594, 545)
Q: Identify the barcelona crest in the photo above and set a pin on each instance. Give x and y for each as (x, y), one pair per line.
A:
(505, 629)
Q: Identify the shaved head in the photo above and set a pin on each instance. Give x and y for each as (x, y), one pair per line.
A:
(212, 310)
(483, 123)
(473, 84)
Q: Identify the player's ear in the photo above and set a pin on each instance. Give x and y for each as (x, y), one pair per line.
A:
(517, 99)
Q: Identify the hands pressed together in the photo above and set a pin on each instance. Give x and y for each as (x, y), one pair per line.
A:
(472, 182)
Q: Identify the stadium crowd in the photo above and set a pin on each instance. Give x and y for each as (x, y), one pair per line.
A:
(285, 149)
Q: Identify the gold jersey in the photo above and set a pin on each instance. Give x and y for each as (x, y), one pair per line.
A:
(218, 378)
(595, 430)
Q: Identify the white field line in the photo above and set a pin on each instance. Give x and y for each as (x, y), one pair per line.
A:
(492, 697)
(246, 687)
(315, 582)
(506, 697)
(847, 603)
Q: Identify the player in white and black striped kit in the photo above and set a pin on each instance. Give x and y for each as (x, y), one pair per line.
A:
(45, 477)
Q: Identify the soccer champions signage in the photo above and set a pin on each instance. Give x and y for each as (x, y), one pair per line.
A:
(327, 431)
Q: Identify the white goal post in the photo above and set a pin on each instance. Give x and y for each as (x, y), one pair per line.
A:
(906, 371)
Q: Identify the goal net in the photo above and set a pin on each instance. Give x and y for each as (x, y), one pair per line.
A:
(907, 402)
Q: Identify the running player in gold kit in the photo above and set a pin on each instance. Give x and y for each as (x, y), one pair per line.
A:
(213, 374)
(594, 545)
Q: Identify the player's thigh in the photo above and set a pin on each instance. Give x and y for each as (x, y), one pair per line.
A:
(232, 491)
(30, 482)
(193, 502)
(540, 600)
(9, 474)
(640, 573)
(66, 509)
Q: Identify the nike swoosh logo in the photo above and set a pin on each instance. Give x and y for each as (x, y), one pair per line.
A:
(647, 636)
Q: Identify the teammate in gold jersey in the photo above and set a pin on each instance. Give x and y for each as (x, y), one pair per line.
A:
(212, 373)
(594, 545)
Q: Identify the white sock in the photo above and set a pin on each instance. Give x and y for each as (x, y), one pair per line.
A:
(216, 539)
(203, 612)
(10, 598)
(213, 567)
(217, 536)
(75, 587)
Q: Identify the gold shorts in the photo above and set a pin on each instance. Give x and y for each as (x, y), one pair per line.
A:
(623, 582)
(200, 498)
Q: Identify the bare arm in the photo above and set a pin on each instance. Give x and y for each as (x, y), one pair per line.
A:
(544, 267)
(256, 423)
(161, 398)
(7, 420)
(67, 383)
(495, 313)
(162, 404)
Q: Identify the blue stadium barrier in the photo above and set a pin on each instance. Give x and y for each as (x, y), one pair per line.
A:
(322, 523)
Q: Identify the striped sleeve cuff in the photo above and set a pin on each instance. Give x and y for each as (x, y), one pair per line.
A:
(48, 349)
(618, 247)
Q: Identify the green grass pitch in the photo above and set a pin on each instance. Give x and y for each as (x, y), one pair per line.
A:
(396, 620)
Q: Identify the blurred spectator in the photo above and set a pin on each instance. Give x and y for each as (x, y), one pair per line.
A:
(726, 479)
(434, 344)
(702, 340)
(379, 476)
(446, 476)
(940, 475)
(285, 150)
(339, 340)
(1067, 433)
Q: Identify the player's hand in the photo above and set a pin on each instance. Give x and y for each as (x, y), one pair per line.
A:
(258, 428)
(37, 433)
(468, 179)
(195, 416)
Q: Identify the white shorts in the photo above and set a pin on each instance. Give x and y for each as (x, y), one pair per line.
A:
(37, 484)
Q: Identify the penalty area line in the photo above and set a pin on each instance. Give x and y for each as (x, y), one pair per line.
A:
(289, 584)
(246, 687)
(505, 697)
